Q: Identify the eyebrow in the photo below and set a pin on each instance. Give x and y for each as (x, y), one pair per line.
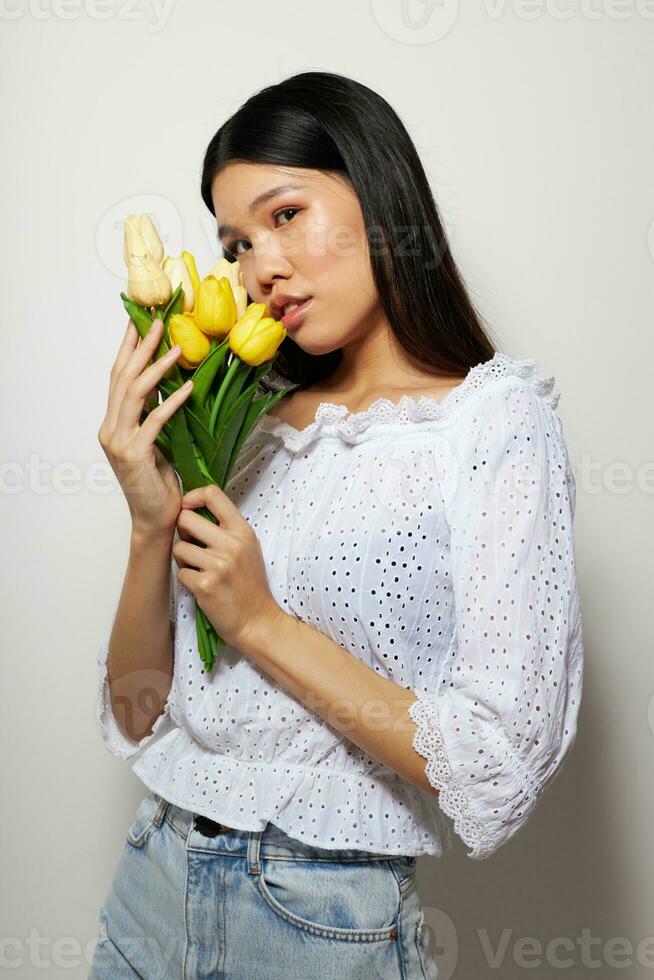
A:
(261, 199)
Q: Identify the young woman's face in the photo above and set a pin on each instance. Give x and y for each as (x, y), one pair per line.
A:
(306, 238)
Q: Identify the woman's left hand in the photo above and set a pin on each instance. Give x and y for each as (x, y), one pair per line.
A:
(227, 576)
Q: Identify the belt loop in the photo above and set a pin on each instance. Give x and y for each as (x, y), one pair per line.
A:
(161, 810)
(254, 847)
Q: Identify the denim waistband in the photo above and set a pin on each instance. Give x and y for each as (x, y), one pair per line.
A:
(201, 833)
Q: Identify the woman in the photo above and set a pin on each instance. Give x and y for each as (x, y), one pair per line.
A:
(393, 570)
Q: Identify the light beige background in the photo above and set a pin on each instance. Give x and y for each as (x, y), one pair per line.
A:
(534, 122)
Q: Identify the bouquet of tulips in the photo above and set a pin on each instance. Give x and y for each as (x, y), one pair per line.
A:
(226, 348)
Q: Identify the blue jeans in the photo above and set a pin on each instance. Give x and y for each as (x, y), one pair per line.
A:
(244, 905)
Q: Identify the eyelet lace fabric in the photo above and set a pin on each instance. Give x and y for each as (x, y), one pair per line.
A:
(353, 426)
(433, 541)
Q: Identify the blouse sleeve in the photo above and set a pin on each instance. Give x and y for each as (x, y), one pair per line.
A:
(498, 721)
(114, 740)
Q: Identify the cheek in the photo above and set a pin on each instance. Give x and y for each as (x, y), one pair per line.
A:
(335, 262)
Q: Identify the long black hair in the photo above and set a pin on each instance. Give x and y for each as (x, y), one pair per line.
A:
(328, 122)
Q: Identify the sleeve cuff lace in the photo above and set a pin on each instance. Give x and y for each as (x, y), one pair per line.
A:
(428, 742)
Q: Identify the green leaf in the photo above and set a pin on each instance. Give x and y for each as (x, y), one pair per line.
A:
(184, 454)
(175, 305)
(203, 466)
(227, 433)
(258, 408)
(141, 317)
(205, 373)
(143, 320)
(234, 389)
(166, 449)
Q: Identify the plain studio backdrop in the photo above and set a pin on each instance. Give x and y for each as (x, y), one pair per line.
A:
(534, 123)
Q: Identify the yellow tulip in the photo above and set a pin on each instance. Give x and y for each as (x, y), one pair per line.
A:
(232, 271)
(255, 337)
(141, 239)
(215, 309)
(192, 271)
(183, 330)
(147, 283)
(178, 272)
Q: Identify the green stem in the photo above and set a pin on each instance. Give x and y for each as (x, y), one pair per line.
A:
(201, 631)
(215, 408)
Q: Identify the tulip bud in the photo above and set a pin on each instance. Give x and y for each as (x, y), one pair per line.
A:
(147, 283)
(177, 271)
(183, 330)
(254, 337)
(141, 239)
(232, 271)
(215, 309)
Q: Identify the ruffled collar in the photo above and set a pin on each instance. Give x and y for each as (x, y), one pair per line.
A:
(352, 427)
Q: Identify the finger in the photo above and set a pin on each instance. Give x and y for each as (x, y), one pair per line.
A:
(157, 417)
(192, 555)
(128, 344)
(144, 352)
(131, 407)
(135, 351)
(131, 366)
(183, 533)
(197, 527)
(215, 500)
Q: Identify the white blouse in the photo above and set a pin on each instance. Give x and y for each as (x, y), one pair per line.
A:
(433, 540)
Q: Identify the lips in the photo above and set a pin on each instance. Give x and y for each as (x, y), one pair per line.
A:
(276, 307)
(293, 318)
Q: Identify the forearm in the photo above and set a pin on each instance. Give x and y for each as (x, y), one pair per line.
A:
(369, 709)
(140, 658)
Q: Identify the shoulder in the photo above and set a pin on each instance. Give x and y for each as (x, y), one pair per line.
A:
(507, 397)
(509, 434)
(503, 374)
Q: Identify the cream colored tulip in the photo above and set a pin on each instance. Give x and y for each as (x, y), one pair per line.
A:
(178, 272)
(147, 283)
(232, 272)
(141, 239)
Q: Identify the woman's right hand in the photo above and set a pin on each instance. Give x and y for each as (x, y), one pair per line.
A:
(149, 482)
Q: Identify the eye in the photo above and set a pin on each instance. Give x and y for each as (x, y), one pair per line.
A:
(286, 210)
(232, 249)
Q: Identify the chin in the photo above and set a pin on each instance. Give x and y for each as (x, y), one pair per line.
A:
(315, 346)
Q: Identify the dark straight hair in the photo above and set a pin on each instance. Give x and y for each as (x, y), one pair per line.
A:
(328, 122)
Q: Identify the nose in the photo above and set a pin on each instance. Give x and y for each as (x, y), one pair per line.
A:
(270, 268)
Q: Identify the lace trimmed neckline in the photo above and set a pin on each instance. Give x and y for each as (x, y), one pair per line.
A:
(337, 419)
